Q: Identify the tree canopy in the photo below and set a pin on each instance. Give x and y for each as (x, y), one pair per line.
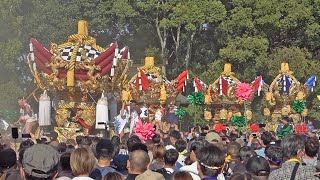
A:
(255, 36)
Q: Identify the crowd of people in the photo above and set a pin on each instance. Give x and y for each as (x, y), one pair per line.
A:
(228, 154)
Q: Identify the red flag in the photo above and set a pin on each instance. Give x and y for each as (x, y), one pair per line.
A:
(197, 84)
(182, 78)
(223, 86)
(256, 83)
(142, 81)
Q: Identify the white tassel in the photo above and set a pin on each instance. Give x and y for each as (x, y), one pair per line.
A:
(112, 72)
(115, 61)
(284, 84)
(183, 89)
(128, 56)
(220, 82)
(34, 66)
(188, 75)
(44, 110)
(102, 113)
(32, 56)
(31, 47)
(116, 52)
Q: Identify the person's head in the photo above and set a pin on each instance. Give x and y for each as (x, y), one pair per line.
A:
(62, 147)
(65, 161)
(115, 139)
(285, 120)
(82, 162)
(311, 146)
(258, 166)
(292, 146)
(182, 175)
(194, 148)
(309, 122)
(274, 155)
(85, 141)
(95, 141)
(22, 101)
(78, 140)
(158, 152)
(266, 138)
(55, 145)
(113, 176)
(156, 139)
(233, 137)
(213, 137)
(70, 148)
(54, 136)
(39, 161)
(242, 176)
(132, 104)
(139, 146)
(25, 144)
(138, 162)
(170, 158)
(174, 136)
(8, 158)
(210, 161)
(105, 150)
(246, 153)
(131, 141)
(180, 145)
(233, 149)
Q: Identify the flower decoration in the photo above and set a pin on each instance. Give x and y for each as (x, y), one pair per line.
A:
(254, 128)
(301, 128)
(239, 121)
(298, 106)
(219, 127)
(196, 98)
(244, 91)
(144, 130)
(180, 113)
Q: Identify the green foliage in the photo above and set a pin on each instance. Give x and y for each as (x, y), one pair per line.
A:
(195, 114)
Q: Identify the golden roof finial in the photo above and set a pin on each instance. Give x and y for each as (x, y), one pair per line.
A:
(149, 61)
(284, 68)
(83, 27)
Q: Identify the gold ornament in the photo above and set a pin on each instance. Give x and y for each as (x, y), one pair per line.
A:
(304, 113)
(223, 114)
(207, 115)
(230, 114)
(285, 111)
(268, 96)
(266, 112)
(300, 96)
(249, 114)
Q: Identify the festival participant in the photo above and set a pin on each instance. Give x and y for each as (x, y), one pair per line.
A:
(171, 118)
(311, 151)
(210, 162)
(310, 126)
(26, 116)
(274, 156)
(286, 127)
(128, 117)
(170, 159)
(293, 150)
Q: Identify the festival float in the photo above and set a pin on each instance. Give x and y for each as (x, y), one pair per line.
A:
(76, 73)
(153, 91)
(286, 96)
(228, 98)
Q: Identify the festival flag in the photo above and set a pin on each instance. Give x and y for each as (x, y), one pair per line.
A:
(197, 85)
(311, 82)
(182, 79)
(257, 84)
(142, 82)
(223, 86)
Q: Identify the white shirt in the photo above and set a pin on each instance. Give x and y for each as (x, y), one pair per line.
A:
(82, 178)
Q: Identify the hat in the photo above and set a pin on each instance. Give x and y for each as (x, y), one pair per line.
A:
(213, 137)
(8, 158)
(40, 161)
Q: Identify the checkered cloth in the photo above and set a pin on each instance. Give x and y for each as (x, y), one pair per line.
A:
(304, 172)
(154, 78)
(228, 79)
(66, 52)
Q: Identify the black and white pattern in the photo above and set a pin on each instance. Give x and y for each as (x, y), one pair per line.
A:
(66, 52)
(287, 78)
(154, 78)
(228, 79)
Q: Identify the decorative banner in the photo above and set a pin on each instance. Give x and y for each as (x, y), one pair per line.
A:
(298, 106)
(142, 82)
(180, 113)
(144, 131)
(223, 86)
(196, 98)
(239, 121)
(198, 84)
(311, 82)
(244, 91)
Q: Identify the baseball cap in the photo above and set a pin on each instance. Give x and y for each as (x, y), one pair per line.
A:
(40, 160)
(213, 137)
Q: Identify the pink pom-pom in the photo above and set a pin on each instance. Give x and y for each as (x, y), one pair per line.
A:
(244, 91)
(144, 131)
